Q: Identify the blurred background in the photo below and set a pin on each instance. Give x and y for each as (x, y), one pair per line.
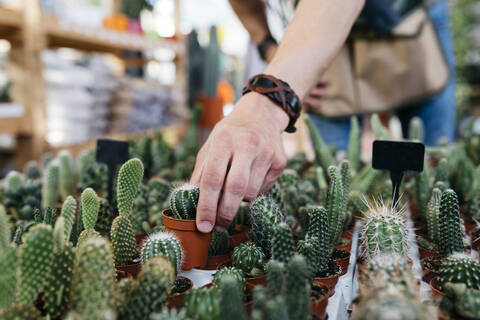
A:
(75, 70)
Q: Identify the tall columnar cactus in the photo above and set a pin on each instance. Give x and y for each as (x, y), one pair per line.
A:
(282, 243)
(50, 186)
(335, 207)
(152, 288)
(8, 263)
(184, 200)
(162, 154)
(451, 235)
(466, 301)
(66, 174)
(248, 257)
(35, 262)
(346, 176)
(123, 239)
(354, 148)
(203, 303)
(231, 300)
(384, 231)
(441, 172)
(233, 272)
(323, 157)
(93, 283)
(163, 244)
(218, 244)
(310, 250)
(433, 214)
(416, 130)
(298, 288)
(31, 170)
(90, 206)
(265, 215)
(13, 181)
(275, 277)
(422, 189)
(460, 268)
(68, 213)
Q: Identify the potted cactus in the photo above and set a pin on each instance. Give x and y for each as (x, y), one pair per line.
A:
(219, 251)
(249, 258)
(180, 220)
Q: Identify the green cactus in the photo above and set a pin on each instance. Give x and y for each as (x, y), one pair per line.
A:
(13, 181)
(170, 314)
(50, 186)
(93, 284)
(152, 288)
(422, 190)
(35, 262)
(21, 311)
(163, 244)
(282, 243)
(218, 244)
(90, 206)
(184, 200)
(21, 198)
(390, 269)
(441, 172)
(433, 214)
(203, 303)
(125, 287)
(66, 174)
(5, 233)
(162, 154)
(158, 196)
(275, 271)
(47, 158)
(451, 235)
(265, 215)
(123, 241)
(384, 231)
(31, 170)
(275, 193)
(91, 174)
(129, 178)
(335, 207)
(248, 257)
(459, 268)
(298, 288)
(466, 301)
(47, 216)
(354, 147)
(236, 274)
(68, 213)
(381, 133)
(189, 146)
(140, 207)
(323, 156)
(231, 299)
(365, 180)
(106, 215)
(276, 309)
(309, 249)
(141, 149)
(8, 263)
(416, 130)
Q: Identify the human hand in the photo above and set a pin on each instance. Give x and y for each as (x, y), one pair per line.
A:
(244, 155)
(316, 94)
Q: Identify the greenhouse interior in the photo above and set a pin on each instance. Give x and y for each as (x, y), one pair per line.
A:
(137, 184)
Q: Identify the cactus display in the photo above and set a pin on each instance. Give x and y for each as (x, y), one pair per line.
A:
(140, 208)
(459, 268)
(297, 294)
(232, 272)
(218, 244)
(93, 281)
(282, 243)
(231, 301)
(323, 156)
(451, 235)
(68, 213)
(203, 303)
(66, 175)
(248, 257)
(335, 206)
(50, 185)
(184, 200)
(162, 244)
(90, 206)
(151, 290)
(21, 197)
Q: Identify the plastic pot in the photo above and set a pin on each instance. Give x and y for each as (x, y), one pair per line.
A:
(343, 263)
(194, 243)
(319, 307)
(433, 286)
(425, 253)
(214, 261)
(131, 269)
(329, 282)
(345, 247)
(238, 238)
(175, 300)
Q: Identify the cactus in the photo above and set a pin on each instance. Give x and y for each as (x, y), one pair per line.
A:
(433, 214)
(282, 243)
(5, 233)
(91, 174)
(20, 311)
(50, 186)
(218, 244)
(459, 268)
(170, 314)
(384, 231)
(184, 200)
(289, 183)
(203, 303)
(231, 299)
(90, 206)
(93, 283)
(123, 241)
(275, 193)
(189, 147)
(309, 249)
(162, 154)
(422, 190)
(466, 301)
(232, 272)
(354, 147)
(275, 277)
(129, 178)
(13, 181)
(335, 207)
(450, 240)
(265, 215)
(441, 172)
(140, 207)
(381, 133)
(323, 156)
(346, 176)
(31, 170)
(158, 196)
(141, 149)
(106, 215)
(152, 289)
(66, 174)
(416, 130)
(248, 257)
(8, 263)
(46, 216)
(163, 244)
(298, 288)
(68, 213)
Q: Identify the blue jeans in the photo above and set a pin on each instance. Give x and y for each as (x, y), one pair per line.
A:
(438, 113)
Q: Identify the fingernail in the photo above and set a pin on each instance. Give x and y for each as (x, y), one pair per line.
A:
(204, 226)
(220, 229)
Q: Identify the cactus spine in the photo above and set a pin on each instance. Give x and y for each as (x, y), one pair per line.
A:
(433, 214)
(184, 200)
(90, 206)
(66, 174)
(231, 299)
(282, 243)
(163, 244)
(248, 257)
(460, 268)
(298, 288)
(50, 186)
(450, 230)
(335, 203)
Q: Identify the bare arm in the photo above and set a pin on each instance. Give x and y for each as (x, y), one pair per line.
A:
(248, 143)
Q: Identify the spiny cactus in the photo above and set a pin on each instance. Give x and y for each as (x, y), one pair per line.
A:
(335, 206)
(35, 262)
(460, 268)
(158, 196)
(91, 174)
(140, 208)
(310, 250)
(90, 206)
(233, 272)
(8, 263)
(298, 288)
(416, 130)
(152, 289)
(354, 147)
(20, 311)
(123, 240)
(275, 193)
(163, 244)
(5, 233)
(125, 289)
(106, 215)
(31, 170)
(162, 154)
(203, 303)
(323, 157)
(441, 172)
(466, 301)
(381, 133)
(231, 299)
(68, 213)
(384, 231)
(275, 277)
(50, 186)
(170, 314)
(346, 176)
(93, 282)
(248, 257)
(433, 213)
(265, 215)
(218, 244)
(282, 243)
(129, 178)
(66, 174)
(184, 200)
(422, 189)
(450, 229)
(13, 181)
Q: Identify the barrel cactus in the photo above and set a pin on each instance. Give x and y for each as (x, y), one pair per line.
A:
(203, 303)
(248, 257)
(184, 201)
(50, 185)
(451, 235)
(163, 244)
(282, 243)
(233, 272)
(460, 268)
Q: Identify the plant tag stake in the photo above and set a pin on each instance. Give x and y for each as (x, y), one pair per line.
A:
(398, 157)
(113, 154)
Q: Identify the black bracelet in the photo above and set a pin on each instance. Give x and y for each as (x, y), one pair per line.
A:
(280, 93)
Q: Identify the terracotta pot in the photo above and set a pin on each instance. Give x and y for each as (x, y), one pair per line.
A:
(214, 261)
(428, 274)
(345, 247)
(343, 263)
(212, 110)
(347, 234)
(319, 307)
(329, 282)
(131, 269)
(248, 306)
(194, 243)
(425, 253)
(257, 281)
(139, 238)
(120, 274)
(469, 228)
(238, 238)
(436, 293)
(175, 300)
(414, 210)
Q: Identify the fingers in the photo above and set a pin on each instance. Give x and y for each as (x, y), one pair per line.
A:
(199, 163)
(317, 92)
(211, 182)
(259, 170)
(278, 165)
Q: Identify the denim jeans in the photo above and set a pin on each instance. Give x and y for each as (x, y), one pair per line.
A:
(437, 113)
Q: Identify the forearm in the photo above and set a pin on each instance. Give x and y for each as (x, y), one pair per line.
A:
(253, 17)
(311, 41)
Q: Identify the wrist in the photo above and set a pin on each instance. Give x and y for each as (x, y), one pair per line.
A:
(259, 108)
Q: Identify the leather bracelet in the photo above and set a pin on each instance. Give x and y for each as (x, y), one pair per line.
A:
(280, 93)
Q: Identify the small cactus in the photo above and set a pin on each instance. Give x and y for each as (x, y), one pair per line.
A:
(233, 272)
(323, 157)
(354, 147)
(184, 200)
(282, 243)
(218, 244)
(8, 263)
(13, 181)
(66, 174)
(231, 299)
(335, 206)
(106, 215)
(123, 240)
(422, 189)
(466, 301)
(275, 193)
(5, 233)
(298, 288)
(460, 268)
(416, 130)
(90, 206)
(68, 213)
(31, 170)
(163, 244)
(50, 186)
(275, 277)
(433, 213)
(203, 303)
(248, 257)
(451, 235)
(130, 176)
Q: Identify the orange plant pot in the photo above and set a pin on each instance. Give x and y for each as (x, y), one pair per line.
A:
(436, 293)
(343, 263)
(131, 269)
(329, 282)
(212, 110)
(214, 261)
(175, 300)
(318, 307)
(194, 243)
